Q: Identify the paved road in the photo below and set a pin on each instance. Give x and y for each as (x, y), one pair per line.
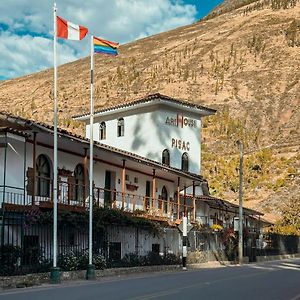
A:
(272, 280)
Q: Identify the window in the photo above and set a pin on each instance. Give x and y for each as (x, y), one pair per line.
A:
(43, 176)
(31, 249)
(185, 162)
(166, 157)
(164, 199)
(155, 248)
(120, 127)
(136, 180)
(164, 193)
(79, 182)
(115, 251)
(102, 131)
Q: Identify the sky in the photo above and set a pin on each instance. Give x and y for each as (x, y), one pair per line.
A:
(26, 27)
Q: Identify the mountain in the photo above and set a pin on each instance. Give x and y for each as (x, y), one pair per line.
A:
(243, 59)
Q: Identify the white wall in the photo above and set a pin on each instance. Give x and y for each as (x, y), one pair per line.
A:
(14, 164)
(147, 134)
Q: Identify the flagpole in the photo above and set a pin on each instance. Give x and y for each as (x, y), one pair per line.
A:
(91, 268)
(55, 270)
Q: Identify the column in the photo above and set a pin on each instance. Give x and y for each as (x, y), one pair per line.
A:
(178, 198)
(153, 188)
(123, 184)
(34, 168)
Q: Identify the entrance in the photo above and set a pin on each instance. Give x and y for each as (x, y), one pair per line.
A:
(148, 195)
(109, 188)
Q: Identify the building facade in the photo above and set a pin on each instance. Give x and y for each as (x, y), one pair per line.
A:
(156, 127)
(132, 174)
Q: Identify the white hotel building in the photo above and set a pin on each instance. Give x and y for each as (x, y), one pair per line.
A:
(147, 159)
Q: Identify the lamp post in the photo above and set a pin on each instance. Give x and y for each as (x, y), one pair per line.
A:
(241, 148)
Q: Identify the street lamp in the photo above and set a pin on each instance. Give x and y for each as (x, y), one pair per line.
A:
(240, 251)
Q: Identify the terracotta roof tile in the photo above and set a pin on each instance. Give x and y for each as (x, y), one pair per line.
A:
(148, 99)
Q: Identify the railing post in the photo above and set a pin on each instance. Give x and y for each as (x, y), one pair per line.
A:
(184, 201)
(153, 189)
(194, 202)
(34, 168)
(84, 174)
(178, 198)
(69, 200)
(123, 184)
(134, 202)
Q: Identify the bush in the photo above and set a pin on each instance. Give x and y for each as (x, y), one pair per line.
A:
(151, 259)
(171, 259)
(10, 257)
(73, 261)
(69, 261)
(99, 261)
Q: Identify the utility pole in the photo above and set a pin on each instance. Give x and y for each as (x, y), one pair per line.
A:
(241, 147)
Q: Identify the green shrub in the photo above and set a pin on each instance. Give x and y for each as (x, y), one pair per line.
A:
(10, 257)
(68, 261)
(72, 261)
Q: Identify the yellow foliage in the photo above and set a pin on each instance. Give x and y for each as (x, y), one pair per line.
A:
(216, 227)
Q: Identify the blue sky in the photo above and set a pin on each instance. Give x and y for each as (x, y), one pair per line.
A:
(26, 27)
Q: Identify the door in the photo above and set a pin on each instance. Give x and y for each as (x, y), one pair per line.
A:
(148, 195)
(107, 189)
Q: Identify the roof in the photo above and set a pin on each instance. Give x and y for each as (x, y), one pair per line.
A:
(26, 124)
(217, 203)
(13, 131)
(159, 98)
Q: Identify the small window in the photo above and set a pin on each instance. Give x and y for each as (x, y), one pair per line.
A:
(136, 180)
(185, 162)
(164, 199)
(79, 182)
(43, 176)
(120, 127)
(115, 251)
(155, 248)
(102, 131)
(166, 157)
(72, 239)
(127, 177)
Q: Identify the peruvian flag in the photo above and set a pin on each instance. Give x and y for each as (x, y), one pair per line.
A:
(70, 31)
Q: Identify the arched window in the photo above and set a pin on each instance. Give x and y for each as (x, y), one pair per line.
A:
(120, 127)
(79, 182)
(185, 162)
(102, 129)
(43, 170)
(164, 199)
(166, 157)
(164, 193)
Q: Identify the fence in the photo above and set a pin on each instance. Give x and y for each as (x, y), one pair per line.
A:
(75, 197)
(26, 237)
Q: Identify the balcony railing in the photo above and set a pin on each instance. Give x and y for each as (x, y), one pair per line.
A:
(76, 197)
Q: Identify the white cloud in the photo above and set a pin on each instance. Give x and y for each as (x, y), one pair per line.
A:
(26, 45)
(27, 54)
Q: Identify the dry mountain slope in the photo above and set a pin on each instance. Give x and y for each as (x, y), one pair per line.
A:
(244, 62)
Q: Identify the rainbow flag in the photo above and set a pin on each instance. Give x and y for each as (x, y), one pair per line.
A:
(103, 46)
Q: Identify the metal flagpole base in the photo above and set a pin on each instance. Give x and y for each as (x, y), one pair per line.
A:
(90, 273)
(55, 275)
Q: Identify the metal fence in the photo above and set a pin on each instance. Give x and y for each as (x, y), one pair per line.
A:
(26, 242)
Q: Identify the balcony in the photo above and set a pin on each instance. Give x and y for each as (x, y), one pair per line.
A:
(75, 197)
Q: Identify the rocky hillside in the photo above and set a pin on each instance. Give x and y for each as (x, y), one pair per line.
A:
(243, 59)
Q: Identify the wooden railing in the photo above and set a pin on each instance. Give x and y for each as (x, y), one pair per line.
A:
(74, 196)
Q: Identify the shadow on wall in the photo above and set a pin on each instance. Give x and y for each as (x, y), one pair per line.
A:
(139, 140)
(163, 137)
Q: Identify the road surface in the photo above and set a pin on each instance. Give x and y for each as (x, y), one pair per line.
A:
(278, 280)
